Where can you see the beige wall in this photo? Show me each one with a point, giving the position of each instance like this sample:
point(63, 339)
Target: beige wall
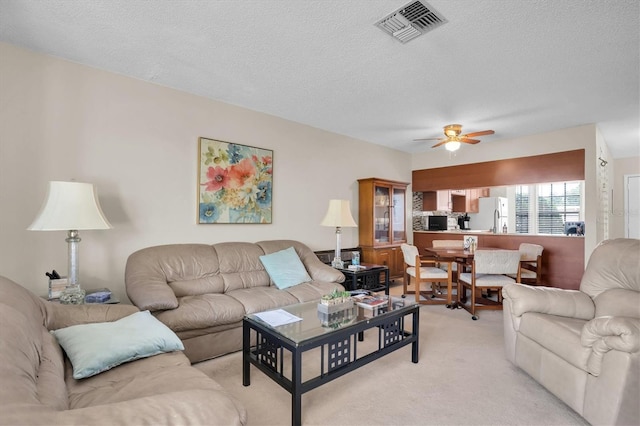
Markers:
point(621, 167)
point(138, 143)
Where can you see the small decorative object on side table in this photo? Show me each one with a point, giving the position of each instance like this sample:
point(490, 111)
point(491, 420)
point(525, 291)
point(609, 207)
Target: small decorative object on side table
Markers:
point(101, 295)
point(72, 295)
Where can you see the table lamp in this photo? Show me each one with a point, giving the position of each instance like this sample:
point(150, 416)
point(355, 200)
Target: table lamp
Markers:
point(338, 215)
point(70, 206)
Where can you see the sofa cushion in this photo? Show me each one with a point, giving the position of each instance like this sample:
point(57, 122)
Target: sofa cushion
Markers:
point(94, 348)
point(613, 264)
point(560, 335)
point(169, 372)
point(200, 312)
point(313, 291)
point(285, 268)
point(262, 298)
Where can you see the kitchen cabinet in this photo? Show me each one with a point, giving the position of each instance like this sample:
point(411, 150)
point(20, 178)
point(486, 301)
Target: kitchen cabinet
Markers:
point(454, 200)
point(382, 222)
point(473, 197)
point(459, 203)
point(436, 201)
point(472, 203)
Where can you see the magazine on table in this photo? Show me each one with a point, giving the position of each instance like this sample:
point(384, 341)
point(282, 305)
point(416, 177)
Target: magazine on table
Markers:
point(370, 301)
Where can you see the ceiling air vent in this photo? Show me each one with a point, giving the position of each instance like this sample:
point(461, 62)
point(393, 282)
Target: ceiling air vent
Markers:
point(411, 21)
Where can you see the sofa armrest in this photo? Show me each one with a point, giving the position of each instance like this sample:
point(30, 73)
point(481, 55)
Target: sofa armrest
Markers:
point(325, 273)
point(606, 333)
point(320, 271)
point(146, 285)
point(151, 295)
point(548, 300)
point(60, 316)
point(603, 334)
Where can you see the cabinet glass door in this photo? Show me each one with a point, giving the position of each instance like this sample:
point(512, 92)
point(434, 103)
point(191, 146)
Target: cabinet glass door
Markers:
point(399, 225)
point(381, 212)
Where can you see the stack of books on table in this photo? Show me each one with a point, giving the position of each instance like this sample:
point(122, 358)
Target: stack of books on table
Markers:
point(372, 304)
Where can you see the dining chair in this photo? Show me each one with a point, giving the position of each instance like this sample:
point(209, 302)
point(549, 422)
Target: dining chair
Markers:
point(453, 244)
point(530, 264)
point(489, 273)
point(424, 271)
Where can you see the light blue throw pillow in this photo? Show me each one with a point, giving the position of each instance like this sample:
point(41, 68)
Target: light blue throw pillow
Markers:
point(94, 348)
point(285, 268)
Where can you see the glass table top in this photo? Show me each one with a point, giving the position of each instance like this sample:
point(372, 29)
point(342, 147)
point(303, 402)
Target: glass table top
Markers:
point(316, 323)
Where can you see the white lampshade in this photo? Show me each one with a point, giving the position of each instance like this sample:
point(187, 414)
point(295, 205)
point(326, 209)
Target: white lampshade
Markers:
point(339, 214)
point(452, 146)
point(70, 205)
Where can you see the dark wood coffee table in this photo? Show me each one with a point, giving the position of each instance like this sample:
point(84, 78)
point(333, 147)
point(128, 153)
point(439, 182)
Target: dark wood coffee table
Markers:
point(338, 342)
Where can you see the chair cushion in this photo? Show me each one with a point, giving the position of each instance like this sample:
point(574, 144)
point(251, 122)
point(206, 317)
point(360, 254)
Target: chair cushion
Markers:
point(560, 335)
point(285, 268)
point(429, 272)
point(94, 348)
point(409, 253)
point(487, 280)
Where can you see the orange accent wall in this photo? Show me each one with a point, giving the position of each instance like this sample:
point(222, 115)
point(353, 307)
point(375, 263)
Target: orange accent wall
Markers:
point(562, 259)
point(560, 166)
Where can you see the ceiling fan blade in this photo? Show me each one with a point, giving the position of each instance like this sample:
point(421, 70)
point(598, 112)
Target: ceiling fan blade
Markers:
point(474, 134)
point(467, 140)
point(442, 142)
point(427, 139)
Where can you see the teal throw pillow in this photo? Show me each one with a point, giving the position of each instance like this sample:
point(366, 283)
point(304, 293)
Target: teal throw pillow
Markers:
point(285, 268)
point(94, 348)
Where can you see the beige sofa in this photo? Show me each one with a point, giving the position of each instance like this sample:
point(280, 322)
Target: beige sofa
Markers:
point(202, 292)
point(38, 387)
point(584, 346)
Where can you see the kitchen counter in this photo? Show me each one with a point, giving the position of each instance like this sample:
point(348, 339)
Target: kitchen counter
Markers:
point(562, 259)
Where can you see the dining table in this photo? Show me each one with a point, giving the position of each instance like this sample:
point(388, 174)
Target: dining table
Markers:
point(462, 257)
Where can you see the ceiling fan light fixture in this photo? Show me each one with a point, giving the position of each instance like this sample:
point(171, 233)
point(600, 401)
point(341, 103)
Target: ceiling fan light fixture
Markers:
point(452, 146)
point(452, 130)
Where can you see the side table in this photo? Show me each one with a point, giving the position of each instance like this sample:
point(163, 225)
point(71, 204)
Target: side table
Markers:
point(368, 278)
point(111, 301)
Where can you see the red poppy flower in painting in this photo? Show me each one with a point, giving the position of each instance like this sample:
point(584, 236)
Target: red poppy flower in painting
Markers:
point(218, 178)
point(241, 172)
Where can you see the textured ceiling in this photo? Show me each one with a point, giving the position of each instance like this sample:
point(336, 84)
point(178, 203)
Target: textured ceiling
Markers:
point(519, 67)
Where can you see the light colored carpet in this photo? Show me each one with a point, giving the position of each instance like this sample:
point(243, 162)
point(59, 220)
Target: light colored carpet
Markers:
point(462, 378)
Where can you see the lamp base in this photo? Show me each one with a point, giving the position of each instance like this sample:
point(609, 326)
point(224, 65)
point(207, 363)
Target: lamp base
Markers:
point(72, 295)
point(337, 263)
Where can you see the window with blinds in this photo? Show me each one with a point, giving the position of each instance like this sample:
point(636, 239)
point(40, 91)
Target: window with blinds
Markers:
point(544, 208)
point(522, 209)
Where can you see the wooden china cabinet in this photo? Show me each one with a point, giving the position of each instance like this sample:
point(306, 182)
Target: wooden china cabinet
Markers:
point(382, 225)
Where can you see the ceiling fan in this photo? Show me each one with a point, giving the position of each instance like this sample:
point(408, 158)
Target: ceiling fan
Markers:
point(453, 137)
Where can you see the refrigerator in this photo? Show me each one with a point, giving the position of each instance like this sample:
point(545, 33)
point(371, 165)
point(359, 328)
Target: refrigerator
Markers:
point(490, 209)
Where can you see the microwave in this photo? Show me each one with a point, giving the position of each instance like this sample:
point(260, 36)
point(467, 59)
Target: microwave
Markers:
point(437, 223)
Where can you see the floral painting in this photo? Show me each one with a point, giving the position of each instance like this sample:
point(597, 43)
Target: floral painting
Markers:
point(234, 183)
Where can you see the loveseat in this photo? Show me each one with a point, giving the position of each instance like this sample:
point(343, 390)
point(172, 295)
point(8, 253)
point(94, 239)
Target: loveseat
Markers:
point(202, 292)
point(38, 387)
point(584, 345)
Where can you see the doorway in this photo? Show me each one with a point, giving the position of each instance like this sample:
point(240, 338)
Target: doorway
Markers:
point(632, 206)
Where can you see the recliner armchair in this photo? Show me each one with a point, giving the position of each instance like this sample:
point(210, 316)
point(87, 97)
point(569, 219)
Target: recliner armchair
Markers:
point(583, 345)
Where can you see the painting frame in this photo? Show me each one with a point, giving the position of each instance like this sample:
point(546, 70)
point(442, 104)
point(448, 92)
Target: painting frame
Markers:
point(235, 183)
